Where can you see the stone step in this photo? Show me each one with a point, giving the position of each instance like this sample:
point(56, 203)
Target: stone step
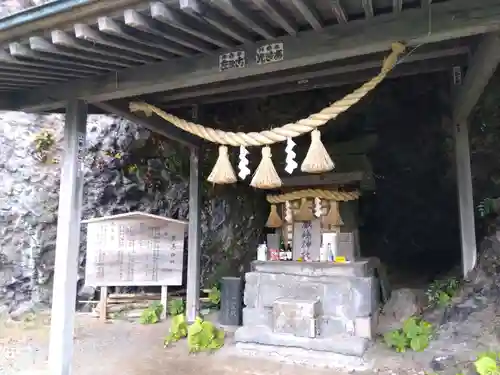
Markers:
point(341, 344)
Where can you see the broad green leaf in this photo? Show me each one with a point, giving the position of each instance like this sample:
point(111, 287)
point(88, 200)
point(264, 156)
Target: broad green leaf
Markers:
point(419, 343)
point(486, 366)
point(411, 328)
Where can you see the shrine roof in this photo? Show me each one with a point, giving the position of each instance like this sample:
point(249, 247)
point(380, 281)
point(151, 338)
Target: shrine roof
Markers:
point(133, 215)
point(174, 53)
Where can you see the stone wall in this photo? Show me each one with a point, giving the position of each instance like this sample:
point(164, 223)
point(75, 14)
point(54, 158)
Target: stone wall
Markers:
point(325, 307)
point(127, 169)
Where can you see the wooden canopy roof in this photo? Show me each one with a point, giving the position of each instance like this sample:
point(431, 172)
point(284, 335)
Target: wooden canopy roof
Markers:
point(169, 52)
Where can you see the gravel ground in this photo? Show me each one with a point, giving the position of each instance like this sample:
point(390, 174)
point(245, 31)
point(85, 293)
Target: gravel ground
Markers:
point(124, 348)
point(129, 348)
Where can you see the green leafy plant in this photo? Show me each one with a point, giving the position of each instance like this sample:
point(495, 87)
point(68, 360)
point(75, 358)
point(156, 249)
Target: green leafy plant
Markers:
point(44, 143)
point(152, 314)
point(203, 336)
point(214, 296)
point(486, 207)
point(487, 363)
point(440, 292)
point(176, 306)
point(178, 329)
point(415, 334)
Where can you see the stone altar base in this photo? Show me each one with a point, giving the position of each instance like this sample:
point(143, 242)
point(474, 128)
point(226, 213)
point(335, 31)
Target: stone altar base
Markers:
point(321, 307)
point(303, 357)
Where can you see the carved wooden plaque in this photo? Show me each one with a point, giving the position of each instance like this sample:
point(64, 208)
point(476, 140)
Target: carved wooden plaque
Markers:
point(134, 250)
point(306, 239)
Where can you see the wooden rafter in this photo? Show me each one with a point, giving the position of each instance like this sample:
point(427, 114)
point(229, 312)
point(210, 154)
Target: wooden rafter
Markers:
point(216, 19)
point(246, 16)
point(178, 20)
point(368, 8)
point(279, 14)
point(397, 6)
point(309, 12)
point(340, 13)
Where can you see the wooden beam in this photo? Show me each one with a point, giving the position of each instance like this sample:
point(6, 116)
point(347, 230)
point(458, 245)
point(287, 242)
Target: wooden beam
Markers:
point(309, 12)
point(302, 76)
point(332, 178)
point(483, 65)
point(153, 123)
point(198, 28)
point(422, 67)
point(339, 11)
point(368, 8)
point(165, 32)
point(248, 17)
point(451, 20)
point(225, 24)
point(279, 14)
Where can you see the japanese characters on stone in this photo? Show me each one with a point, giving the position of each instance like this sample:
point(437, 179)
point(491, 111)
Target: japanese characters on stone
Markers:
point(232, 60)
point(269, 53)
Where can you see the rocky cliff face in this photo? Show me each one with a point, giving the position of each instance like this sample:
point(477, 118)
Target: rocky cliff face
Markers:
point(127, 169)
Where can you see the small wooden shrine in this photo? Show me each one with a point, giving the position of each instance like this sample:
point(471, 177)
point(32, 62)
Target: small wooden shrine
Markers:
point(311, 212)
point(321, 302)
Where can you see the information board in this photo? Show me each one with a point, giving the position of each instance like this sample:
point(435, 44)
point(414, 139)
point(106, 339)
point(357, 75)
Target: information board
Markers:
point(134, 251)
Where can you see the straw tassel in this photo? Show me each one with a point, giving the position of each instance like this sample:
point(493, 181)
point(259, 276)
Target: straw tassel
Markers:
point(223, 172)
point(274, 219)
point(317, 159)
point(333, 217)
point(265, 176)
point(305, 212)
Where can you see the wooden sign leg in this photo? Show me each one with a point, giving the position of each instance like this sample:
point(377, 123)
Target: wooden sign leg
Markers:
point(164, 301)
point(104, 304)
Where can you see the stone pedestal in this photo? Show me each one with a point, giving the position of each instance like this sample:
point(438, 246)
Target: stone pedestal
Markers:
point(315, 306)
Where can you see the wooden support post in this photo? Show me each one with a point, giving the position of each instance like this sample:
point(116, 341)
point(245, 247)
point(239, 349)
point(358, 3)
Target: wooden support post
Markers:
point(465, 96)
point(103, 304)
point(164, 301)
point(193, 276)
point(465, 198)
point(68, 240)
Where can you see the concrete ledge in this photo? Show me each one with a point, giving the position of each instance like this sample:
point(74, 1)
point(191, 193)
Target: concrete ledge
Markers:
point(303, 357)
point(361, 268)
point(340, 344)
